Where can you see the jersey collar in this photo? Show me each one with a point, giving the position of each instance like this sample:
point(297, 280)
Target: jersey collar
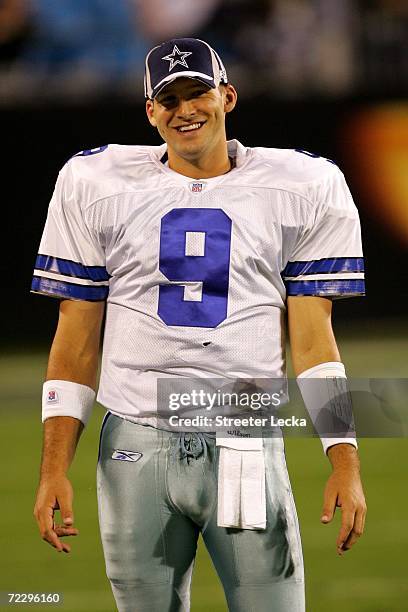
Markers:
point(235, 150)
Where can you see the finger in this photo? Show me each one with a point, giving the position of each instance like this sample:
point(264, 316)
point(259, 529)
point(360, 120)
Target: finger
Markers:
point(62, 547)
point(65, 504)
point(352, 539)
point(45, 521)
point(359, 521)
point(357, 530)
point(347, 524)
point(51, 537)
point(329, 506)
point(44, 516)
point(62, 531)
point(67, 515)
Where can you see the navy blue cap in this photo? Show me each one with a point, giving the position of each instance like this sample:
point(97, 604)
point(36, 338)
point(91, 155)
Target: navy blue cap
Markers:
point(182, 57)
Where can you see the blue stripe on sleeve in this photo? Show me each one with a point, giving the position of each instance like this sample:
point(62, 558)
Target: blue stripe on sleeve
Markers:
point(326, 287)
point(91, 151)
point(66, 290)
point(71, 268)
point(327, 265)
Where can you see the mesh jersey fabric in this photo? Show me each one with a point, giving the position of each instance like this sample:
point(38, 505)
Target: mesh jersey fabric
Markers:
point(282, 222)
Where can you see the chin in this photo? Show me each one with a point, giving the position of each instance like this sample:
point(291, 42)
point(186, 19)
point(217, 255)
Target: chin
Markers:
point(190, 150)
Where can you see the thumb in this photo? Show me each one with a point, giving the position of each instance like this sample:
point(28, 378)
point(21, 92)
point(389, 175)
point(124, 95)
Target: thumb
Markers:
point(66, 511)
point(326, 516)
point(329, 507)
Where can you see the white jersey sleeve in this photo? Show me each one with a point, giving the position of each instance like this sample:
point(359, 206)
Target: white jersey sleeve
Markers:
point(71, 262)
point(327, 258)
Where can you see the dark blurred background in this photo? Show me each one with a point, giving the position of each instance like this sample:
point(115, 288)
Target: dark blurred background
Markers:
point(328, 76)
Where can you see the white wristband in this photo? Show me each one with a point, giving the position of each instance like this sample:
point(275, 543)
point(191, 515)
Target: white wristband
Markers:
point(66, 398)
point(316, 397)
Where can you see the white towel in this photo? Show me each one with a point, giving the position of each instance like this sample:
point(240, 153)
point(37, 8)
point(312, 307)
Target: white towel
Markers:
point(241, 483)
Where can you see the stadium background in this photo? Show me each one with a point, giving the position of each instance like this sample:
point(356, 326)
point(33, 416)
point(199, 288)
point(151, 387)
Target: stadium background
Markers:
point(328, 76)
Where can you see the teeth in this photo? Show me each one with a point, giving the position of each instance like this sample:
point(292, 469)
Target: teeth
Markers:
point(188, 128)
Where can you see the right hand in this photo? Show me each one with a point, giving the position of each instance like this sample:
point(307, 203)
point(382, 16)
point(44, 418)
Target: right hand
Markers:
point(55, 493)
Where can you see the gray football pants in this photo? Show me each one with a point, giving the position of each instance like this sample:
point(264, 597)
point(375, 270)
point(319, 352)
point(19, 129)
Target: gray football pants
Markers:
point(152, 510)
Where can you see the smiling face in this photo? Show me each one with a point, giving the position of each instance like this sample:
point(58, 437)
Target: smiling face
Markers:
point(190, 117)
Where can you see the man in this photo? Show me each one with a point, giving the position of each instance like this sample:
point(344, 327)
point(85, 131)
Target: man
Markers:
point(197, 246)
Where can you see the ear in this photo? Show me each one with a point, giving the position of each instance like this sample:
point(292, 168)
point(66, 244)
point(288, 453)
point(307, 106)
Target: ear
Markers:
point(150, 112)
point(230, 97)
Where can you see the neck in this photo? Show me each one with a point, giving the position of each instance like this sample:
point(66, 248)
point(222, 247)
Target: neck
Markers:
point(207, 165)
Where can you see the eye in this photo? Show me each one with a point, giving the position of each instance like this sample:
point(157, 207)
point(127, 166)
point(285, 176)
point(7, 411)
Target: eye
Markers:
point(168, 101)
point(198, 92)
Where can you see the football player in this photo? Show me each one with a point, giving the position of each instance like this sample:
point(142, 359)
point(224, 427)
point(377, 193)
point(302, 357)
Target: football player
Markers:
point(199, 248)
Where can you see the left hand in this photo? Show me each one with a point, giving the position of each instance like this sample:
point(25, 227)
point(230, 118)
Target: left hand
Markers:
point(344, 490)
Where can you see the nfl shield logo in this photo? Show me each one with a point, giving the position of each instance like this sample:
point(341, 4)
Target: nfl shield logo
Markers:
point(52, 396)
point(196, 187)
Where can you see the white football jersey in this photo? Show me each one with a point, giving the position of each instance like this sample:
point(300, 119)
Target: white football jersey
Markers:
point(196, 272)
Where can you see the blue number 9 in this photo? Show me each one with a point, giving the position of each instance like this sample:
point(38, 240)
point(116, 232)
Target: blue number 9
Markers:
point(183, 265)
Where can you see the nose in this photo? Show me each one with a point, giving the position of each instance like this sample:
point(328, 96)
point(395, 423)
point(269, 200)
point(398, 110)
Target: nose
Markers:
point(185, 109)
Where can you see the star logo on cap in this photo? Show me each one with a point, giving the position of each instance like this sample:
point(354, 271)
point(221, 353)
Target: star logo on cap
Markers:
point(177, 57)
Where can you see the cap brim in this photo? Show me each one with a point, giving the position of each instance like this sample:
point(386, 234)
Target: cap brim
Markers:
point(193, 76)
